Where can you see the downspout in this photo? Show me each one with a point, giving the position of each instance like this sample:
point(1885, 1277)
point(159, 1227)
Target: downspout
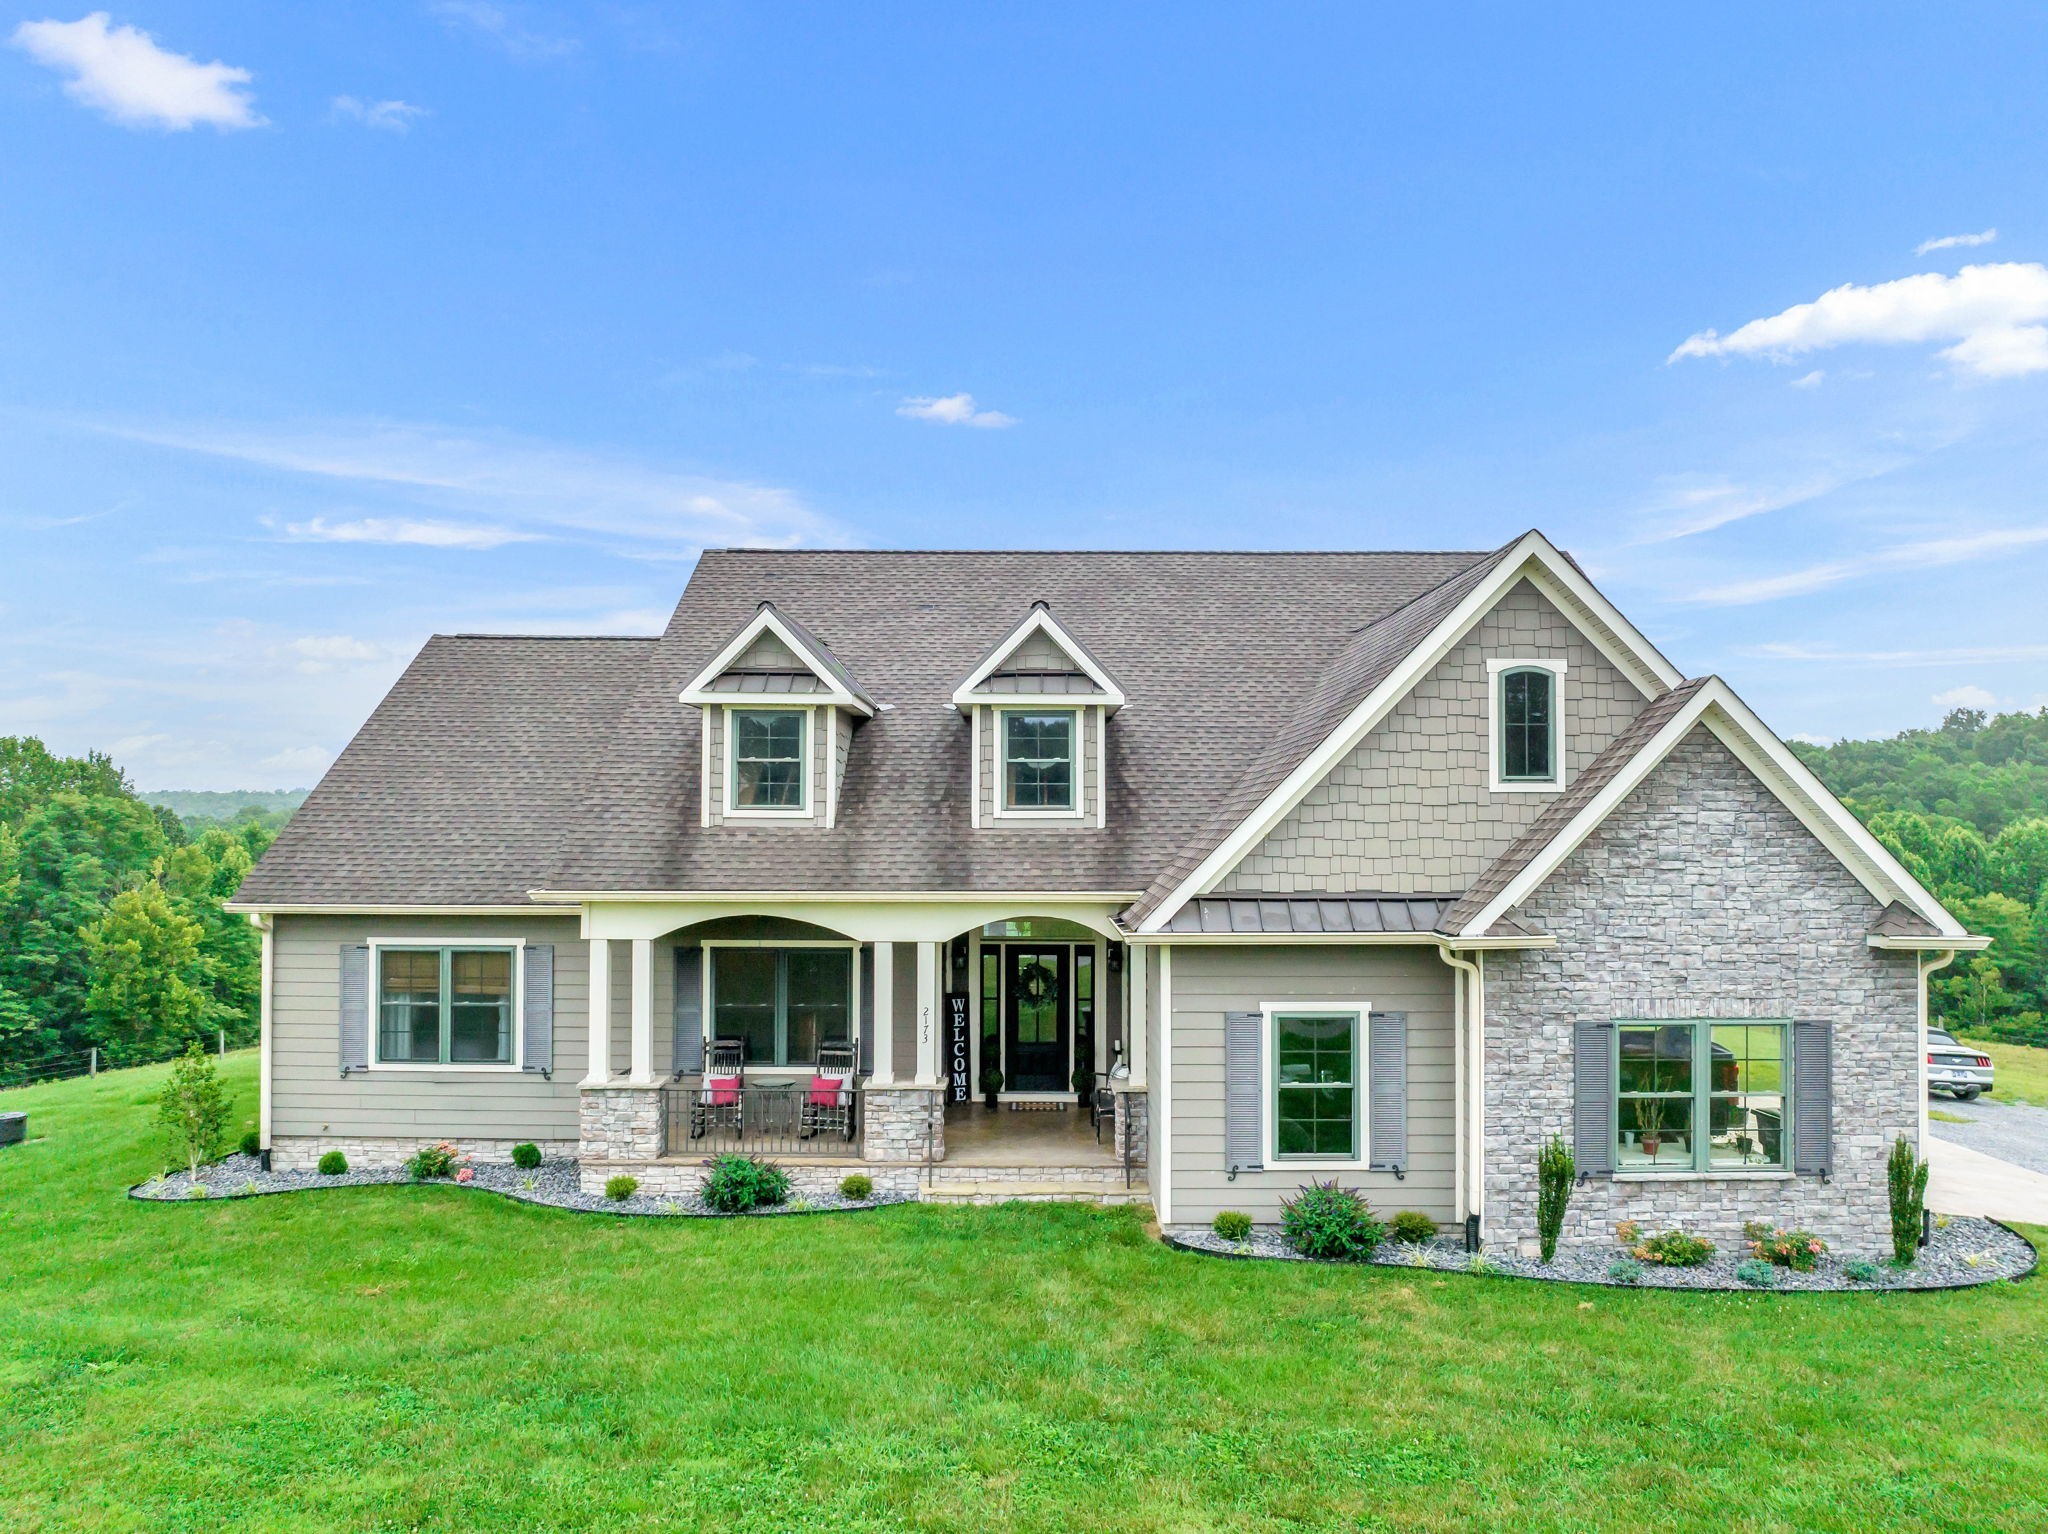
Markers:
point(1471, 1055)
point(266, 975)
point(1927, 965)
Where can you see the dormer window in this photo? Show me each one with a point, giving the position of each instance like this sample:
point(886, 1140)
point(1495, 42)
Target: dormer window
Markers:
point(1527, 743)
point(768, 759)
point(1038, 760)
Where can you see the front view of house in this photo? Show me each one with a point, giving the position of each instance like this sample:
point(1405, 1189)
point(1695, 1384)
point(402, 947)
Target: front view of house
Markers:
point(1183, 877)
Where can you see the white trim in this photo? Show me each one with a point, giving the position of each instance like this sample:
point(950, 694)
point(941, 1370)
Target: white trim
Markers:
point(884, 1073)
point(802, 811)
point(1137, 1012)
point(265, 908)
point(998, 809)
point(928, 1000)
point(754, 897)
point(1949, 945)
point(1337, 939)
point(974, 777)
point(1101, 718)
point(1162, 1099)
point(698, 691)
point(1039, 619)
point(704, 718)
point(1732, 723)
point(1361, 1046)
point(597, 1014)
point(1531, 555)
point(640, 1013)
point(1496, 667)
point(516, 1021)
point(830, 758)
point(266, 1024)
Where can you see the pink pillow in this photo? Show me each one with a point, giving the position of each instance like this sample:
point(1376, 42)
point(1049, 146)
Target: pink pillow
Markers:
point(825, 1091)
point(725, 1090)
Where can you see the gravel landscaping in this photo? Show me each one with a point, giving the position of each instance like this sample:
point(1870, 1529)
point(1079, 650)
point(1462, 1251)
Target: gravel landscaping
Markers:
point(553, 1183)
point(1964, 1252)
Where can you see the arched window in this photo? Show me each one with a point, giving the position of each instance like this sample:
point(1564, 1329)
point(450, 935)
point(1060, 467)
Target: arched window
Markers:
point(1528, 725)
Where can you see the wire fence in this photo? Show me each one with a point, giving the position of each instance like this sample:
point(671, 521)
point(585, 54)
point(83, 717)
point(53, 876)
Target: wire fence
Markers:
point(67, 1064)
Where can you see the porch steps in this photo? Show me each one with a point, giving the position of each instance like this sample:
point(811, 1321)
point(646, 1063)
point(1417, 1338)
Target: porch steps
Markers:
point(1041, 1185)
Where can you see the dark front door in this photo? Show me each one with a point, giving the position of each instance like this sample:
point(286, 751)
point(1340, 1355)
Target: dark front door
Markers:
point(1035, 982)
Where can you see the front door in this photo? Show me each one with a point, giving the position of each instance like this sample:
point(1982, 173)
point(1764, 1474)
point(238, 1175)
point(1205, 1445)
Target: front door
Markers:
point(1035, 982)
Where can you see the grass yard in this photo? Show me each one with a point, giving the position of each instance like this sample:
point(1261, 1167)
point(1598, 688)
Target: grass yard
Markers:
point(2022, 1071)
point(433, 1359)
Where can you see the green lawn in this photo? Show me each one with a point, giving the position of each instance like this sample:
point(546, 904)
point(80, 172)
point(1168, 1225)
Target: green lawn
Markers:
point(432, 1359)
point(2021, 1071)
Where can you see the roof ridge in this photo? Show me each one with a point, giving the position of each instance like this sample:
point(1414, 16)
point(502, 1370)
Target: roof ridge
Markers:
point(564, 638)
point(1127, 553)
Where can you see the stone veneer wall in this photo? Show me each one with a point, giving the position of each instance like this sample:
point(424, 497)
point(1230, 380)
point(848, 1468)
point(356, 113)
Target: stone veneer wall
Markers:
point(302, 1153)
point(903, 1124)
point(1701, 897)
point(1133, 1120)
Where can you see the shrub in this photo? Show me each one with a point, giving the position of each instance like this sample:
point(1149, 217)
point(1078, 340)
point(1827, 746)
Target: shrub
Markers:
point(1330, 1222)
point(1674, 1249)
point(432, 1161)
point(1906, 1174)
point(1413, 1225)
point(1554, 1173)
point(1861, 1271)
point(1799, 1250)
point(619, 1189)
point(333, 1164)
point(1757, 1273)
point(252, 1144)
point(526, 1156)
point(858, 1186)
point(1629, 1232)
point(1625, 1270)
point(192, 1109)
point(1232, 1224)
point(736, 1184)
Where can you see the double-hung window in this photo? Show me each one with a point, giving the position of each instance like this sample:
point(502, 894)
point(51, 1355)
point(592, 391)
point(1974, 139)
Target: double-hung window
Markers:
point(1315, 1080)
point(445, 1006)
point(1701, 1096)
point(1526, 744)
point(782, 1003)
point(1038, 759)
point(768, 752)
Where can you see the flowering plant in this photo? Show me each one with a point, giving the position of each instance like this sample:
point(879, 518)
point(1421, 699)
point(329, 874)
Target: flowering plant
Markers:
point(1799, 1250)
point(463, 1174)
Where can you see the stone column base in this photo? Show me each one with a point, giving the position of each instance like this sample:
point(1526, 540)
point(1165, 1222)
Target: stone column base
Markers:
point(1133, 1124)
point(903, 1123)
point(618, 1122)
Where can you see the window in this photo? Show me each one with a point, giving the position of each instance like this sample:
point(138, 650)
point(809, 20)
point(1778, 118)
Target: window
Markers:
point(1527, 729)
point(768, 759)
point(1315, 1085)
point(782, 1002)
point(444, 1006)
point(1038, 760)
point(1701, 1096)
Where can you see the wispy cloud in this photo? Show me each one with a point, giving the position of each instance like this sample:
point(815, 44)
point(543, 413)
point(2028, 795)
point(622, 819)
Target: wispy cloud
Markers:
point(504, 26)
point(433, 535)
point(1905, 556)
point(389, 116)
point(952, 410)
point(122, 73)
point(1967, 655)
point(1953, 241)
point(1811, 380)
point(1991, 314)
point(1693, 504)
point(1965, 697)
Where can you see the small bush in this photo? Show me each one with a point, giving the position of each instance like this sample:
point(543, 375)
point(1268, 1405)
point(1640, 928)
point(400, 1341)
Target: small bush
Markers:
point(1674, 1249)
point(252, 1144)
point(1413, 1225)
point(526, 1156)
point(1330, 1222)
point(1232, 1224)
point(619, 1189)
point(1862, 1271)
point(1906, 1176)
point(1629, 1232)
point(432, 1161)
point(333, 1164)
point(858, 1186)
point(192, 1109)
point(1555, 1171)
point(1625, 1270)
point(1799, 1250)
point(736, 1184)
point(1757, 1273)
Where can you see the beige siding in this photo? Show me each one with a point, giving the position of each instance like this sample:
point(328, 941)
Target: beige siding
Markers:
point(310, 1097)
point(1210, 981)
point(1409, 811)
point(768, 653)
point(1086, 740)
point(1037, 652)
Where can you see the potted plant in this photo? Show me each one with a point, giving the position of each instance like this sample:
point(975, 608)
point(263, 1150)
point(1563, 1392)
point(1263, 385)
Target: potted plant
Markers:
point(1084, 1083)
point(1646, 1124)
point(991, 1082)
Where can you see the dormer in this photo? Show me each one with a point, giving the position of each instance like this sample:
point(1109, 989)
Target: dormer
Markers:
point(1039, 706)
point(778, 712)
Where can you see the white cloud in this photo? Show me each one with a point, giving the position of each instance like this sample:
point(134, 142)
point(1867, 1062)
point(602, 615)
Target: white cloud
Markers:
point(1964, 697)
point(391, 116)
point(1692, 504)
point(1905, 556)
point(1952, 241)
point(952, 410)
point(1967, 655)
point(305, 759)
point(121, 72)
point(435, 535)
point(1812, 740)
point(501, 24)
point(319, 654)
point(1810, 380)
point(1991, 314)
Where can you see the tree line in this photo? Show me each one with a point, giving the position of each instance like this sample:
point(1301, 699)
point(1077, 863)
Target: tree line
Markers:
point(112, 934)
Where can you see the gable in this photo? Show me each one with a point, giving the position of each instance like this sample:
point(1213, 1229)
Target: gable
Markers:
point(767, 653)
point(1036, 651)
point(1408, 810)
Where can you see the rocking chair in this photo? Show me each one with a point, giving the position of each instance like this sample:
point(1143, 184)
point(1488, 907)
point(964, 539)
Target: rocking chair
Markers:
point(722, 1101)
point(828, 1101)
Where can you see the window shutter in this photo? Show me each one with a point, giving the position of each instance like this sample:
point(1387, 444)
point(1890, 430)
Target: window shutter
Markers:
point(1593, 1098)
point(689, 1010)
point(1387, 1092)
point(1813, 1104)
point(355, 1007)
point(537, 1004)
point(865, 1028)
point(1243, 1032)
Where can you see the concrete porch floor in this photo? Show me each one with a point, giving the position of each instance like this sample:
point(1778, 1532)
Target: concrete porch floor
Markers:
point(975, 1136)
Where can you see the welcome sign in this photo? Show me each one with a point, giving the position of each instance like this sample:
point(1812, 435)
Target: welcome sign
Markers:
point(960, 1088)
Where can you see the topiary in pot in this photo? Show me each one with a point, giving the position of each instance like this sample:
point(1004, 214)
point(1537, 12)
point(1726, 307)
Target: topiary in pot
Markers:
point(1332, 1223)
point(991, 1082)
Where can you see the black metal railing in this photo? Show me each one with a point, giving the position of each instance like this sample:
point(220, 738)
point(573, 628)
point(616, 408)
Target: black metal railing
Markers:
point(779, 1119)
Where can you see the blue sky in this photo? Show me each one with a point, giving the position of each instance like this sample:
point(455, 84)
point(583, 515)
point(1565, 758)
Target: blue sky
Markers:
point(330, 326)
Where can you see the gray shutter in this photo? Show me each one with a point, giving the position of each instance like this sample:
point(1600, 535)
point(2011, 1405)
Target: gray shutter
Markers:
point(1813, 1098)
point(355, 1007)
point(1242, 1035)
point(865, 1064)
point(1593, 1098)
point(689, 1010)
point(1387, 1092)
point(537, 1004)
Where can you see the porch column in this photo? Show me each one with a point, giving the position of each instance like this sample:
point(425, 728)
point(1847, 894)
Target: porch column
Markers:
point(600, 1013)
point(885, 1015)
point(643, 1012)
point(928, 1014)
point(1136, 962)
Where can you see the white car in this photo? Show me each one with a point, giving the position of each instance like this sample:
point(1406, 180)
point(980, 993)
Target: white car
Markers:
point(1955, 1068)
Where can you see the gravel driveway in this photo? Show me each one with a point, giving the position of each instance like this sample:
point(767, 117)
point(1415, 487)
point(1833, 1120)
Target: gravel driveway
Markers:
point(2015, 1132)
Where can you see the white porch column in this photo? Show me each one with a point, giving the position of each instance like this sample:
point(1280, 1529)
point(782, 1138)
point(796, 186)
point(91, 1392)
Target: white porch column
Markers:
point(885, 1015)
point(1137, 961)
point(928, 1014)
point(643, 1011)
point(600, 1013)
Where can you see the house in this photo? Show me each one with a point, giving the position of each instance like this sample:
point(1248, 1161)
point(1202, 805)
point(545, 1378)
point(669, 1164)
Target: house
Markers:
point(1383, 867)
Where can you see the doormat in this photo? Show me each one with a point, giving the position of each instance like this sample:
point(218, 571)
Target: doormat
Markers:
point(1040, 1107)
